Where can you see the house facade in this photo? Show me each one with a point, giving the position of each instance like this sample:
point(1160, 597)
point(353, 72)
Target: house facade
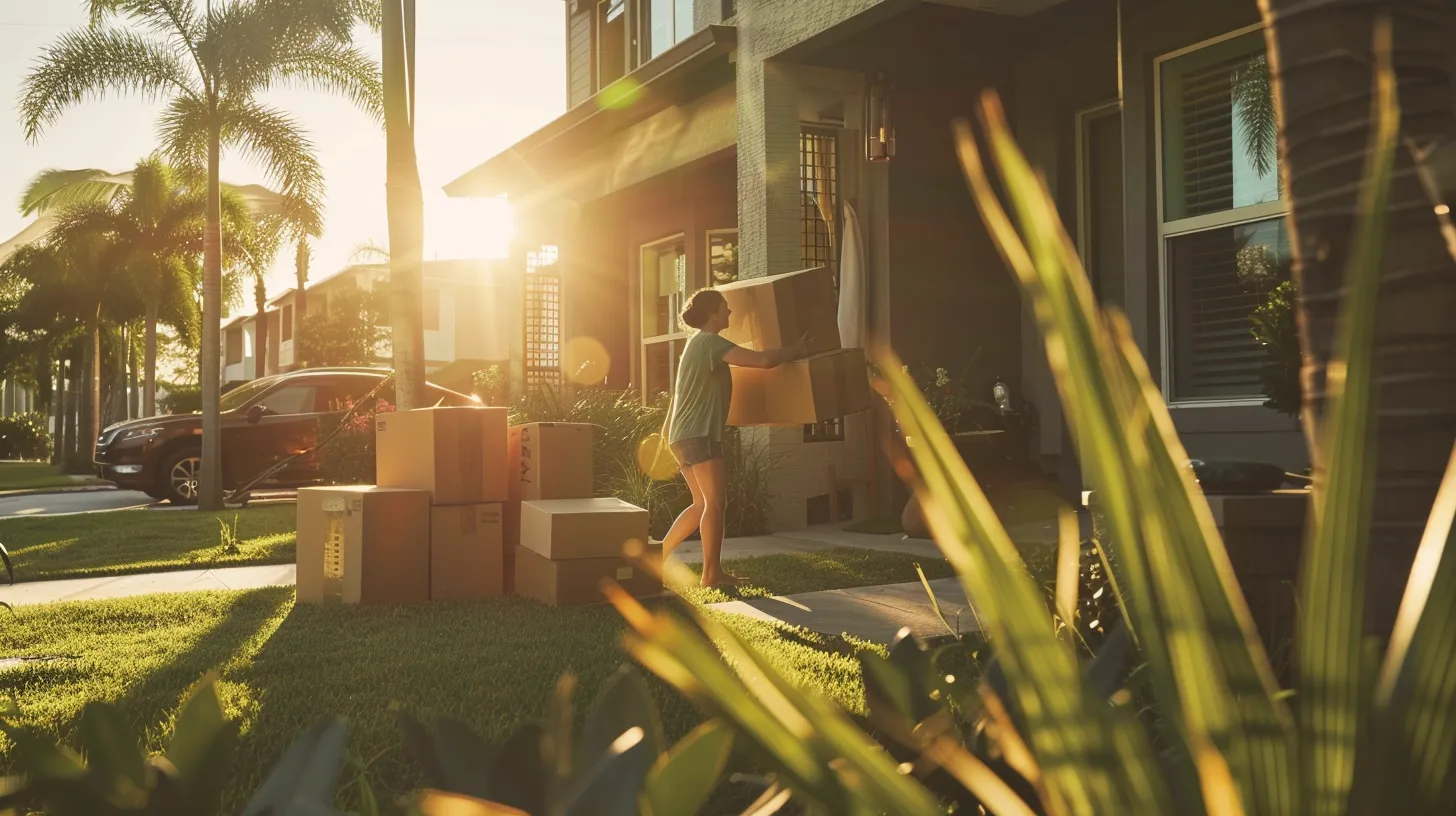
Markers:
point(472, 319)
point(710, 140)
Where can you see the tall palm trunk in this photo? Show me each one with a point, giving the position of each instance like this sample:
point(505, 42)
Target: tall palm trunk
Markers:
point(406, 204)
point(149, 361)
point(58, 405)
point(90, 422)
point(260, 345)
point(133, 391)
point(1321, 58)
point(209, 490)
point(300, 294)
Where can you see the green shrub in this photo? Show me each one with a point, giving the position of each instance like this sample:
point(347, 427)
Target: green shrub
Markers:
point(25, 436)
point(180, 398)
point(1275, 328)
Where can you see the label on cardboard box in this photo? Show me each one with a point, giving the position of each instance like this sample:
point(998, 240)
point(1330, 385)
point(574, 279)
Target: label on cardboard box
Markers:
point(624, 573)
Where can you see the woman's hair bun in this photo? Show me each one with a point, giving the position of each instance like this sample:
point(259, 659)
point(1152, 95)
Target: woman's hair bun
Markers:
point(701, 306)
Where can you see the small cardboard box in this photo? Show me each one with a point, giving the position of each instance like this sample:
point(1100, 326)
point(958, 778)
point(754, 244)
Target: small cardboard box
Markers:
point(466, 551)
point(578, 582)
point(550, 460)
point(457, 454)
point(801, 392)
point(775, 311)
point(563, 529)
point(363, 544)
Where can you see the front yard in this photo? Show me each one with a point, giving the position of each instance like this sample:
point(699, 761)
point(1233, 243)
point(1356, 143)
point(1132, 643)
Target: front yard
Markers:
point(34, 476)
point(132, 541)
point(490, 664)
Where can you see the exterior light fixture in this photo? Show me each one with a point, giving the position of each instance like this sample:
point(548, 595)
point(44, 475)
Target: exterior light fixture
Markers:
point(879, 129)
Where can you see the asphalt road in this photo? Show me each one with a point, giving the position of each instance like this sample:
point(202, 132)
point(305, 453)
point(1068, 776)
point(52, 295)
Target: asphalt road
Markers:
point(81, 501)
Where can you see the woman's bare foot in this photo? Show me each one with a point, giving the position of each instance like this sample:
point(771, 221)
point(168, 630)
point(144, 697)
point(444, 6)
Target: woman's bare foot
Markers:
point(723, 580)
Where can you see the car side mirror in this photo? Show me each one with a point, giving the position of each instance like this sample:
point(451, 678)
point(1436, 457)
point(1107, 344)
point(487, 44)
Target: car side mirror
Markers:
point(256, 413)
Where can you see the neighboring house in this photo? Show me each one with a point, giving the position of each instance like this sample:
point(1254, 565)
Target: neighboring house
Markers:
point(743, 124)
point(16, 398)
point(472, 319)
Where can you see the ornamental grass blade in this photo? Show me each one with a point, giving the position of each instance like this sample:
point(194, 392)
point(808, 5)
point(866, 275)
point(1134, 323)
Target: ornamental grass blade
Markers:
point(1410, 758)
point(1211, 675)
point(821, 753)
point(1337, 546)
point(1091, 756)
point(686, 775)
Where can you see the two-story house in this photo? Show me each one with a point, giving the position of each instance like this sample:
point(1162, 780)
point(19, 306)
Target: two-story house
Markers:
point(708, 139)
point(472, 319)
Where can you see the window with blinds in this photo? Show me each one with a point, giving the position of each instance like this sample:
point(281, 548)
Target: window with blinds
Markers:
point(1224, 242)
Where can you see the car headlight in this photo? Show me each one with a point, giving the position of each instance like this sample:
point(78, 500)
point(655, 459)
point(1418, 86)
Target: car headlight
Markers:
point(141, 433)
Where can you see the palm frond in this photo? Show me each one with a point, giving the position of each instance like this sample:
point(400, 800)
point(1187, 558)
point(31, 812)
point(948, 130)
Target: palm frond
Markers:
point(94, 62)
point(370, 252)
point(332, 68)
point(1253, 93)
point(182, 133)
point(54, 189)
point(277, 142)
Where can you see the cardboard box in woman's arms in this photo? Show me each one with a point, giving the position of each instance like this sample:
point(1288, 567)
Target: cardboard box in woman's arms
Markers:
point(802, 392)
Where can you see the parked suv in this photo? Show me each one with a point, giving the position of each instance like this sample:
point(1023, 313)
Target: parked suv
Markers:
point(263, 421)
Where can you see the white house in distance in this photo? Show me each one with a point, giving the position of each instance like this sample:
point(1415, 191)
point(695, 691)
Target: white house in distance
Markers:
point(473, 318)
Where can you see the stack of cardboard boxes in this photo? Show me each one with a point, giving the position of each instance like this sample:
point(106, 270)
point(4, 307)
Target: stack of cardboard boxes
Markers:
point(433, 528)
point(560, 541)
point(774, 312)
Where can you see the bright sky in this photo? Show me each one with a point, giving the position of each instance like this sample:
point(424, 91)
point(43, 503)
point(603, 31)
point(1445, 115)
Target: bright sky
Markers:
point(490, 72)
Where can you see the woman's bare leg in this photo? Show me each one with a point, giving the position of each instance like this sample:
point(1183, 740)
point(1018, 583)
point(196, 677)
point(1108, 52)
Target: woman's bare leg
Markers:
point(688, 520)
point(712, 483)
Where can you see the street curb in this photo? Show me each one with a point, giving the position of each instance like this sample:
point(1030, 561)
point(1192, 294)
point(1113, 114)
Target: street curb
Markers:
point(51, 491)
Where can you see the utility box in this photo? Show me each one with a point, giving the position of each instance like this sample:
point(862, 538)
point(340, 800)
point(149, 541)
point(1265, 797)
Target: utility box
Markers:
point(363, 544)
point(457, 454)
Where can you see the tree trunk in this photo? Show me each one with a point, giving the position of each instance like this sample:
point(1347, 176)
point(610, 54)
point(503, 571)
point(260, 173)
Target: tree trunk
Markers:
point(149, 362)
point(260, 332)
point(406, 205)
point(133, 391)
point(1321, 60)
point(209, 489)
point(90, 421)
point(300, 295)
point(58, 415)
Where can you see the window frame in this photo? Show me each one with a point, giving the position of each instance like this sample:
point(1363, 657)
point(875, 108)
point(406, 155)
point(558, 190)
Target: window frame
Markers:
point(691, 284)
point(1168, 230)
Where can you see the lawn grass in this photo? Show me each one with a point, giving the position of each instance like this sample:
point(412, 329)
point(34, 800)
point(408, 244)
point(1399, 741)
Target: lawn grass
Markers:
point(131, 541)
point(490, 664)
point(33, 476)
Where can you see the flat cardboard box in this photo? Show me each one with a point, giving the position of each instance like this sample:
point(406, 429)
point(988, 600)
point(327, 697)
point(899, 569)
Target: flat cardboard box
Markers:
point(457, 454)
point(466, 551)
point(801, 392)
point(550, 460)
point(578, 582)
point(363, 544)
point(776, 310)
point(564, 529)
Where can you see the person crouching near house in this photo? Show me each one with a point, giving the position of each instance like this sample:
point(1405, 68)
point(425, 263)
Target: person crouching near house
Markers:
point(698, 419)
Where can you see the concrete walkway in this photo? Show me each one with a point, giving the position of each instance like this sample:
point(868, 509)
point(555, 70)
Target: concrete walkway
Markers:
point(150, 583)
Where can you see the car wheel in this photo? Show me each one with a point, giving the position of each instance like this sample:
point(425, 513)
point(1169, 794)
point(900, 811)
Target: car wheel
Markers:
point(179, 475)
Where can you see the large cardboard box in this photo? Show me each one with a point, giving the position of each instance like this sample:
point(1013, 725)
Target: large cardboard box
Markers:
point(577, 582)
point(550, 460)
point(467, 557)
point(457, 454)
point(775, 311)
point(801, 392)
point(563, 529)
point(363, 544)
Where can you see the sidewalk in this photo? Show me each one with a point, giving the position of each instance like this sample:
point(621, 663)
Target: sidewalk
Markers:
point(873, 613)
point(148, 583)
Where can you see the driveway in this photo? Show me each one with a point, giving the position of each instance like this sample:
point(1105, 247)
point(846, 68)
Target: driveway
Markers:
point(79, 501)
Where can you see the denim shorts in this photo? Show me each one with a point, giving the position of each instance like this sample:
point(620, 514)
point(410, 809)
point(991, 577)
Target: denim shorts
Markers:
point(696, 450)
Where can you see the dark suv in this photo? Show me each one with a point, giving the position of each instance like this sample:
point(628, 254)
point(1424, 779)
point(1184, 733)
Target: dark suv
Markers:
point(263, 421)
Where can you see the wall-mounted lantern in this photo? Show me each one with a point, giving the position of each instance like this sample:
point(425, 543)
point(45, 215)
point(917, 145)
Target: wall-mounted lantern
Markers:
point(879, 129)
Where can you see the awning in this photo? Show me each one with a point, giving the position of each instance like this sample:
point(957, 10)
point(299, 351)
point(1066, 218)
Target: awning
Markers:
point(557, 156)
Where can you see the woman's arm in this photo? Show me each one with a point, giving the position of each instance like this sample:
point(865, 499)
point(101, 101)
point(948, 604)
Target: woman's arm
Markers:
point(773, 358)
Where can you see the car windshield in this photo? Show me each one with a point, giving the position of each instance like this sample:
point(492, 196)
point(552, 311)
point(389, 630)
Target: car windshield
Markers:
point(238, 397)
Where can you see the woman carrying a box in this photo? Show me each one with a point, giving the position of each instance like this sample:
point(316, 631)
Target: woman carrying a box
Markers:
point(698, 418)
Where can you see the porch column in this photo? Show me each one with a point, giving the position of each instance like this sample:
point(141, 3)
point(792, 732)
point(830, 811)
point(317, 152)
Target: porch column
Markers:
point(768, 169)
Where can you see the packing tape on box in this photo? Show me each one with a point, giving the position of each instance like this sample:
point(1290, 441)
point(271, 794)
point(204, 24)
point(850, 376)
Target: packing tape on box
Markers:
point(471, 446)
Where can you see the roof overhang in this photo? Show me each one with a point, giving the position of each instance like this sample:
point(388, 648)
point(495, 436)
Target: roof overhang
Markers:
point(551, 152)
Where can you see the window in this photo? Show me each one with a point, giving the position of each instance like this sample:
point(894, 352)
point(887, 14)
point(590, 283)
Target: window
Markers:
point(543, 330)
point(669, 22)
point(611, 45)
point(287, 323)
point(234, 346)
point(1100, 209)
point(290, 399)
point(664, 288)
point(819, 229)
point(1224, 244)
point(430, 303)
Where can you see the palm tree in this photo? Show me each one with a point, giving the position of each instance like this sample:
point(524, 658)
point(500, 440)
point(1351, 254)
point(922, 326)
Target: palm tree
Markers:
point(1320, 57)
point(211, 64)
point(406, 203)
